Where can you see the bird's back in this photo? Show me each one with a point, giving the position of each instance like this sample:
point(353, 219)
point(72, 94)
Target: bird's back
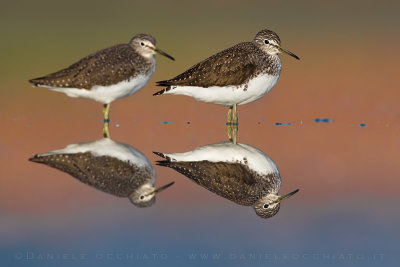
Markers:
point(104, 68)
point(233, 181)
point(105, 173)
point(230, 67)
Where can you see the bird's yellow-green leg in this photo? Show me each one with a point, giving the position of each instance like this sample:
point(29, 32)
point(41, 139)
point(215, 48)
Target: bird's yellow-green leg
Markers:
point(234, 133)
point(106, 110)
point(106, 133)
point(229, 116)
point(229, 131)
point(235, 119)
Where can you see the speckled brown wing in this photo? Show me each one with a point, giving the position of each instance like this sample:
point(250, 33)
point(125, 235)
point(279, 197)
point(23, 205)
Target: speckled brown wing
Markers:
point(233, 181)
point(107, 174)
point(105, 67)
point(233, 66)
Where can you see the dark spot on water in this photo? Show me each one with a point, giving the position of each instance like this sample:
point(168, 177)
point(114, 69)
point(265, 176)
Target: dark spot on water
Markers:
point(323, 120)
point(188, 122)
point(363, 124)
point(166, 122)
point(283, 123)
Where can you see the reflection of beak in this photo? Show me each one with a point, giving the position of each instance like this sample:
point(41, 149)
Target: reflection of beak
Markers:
point(280, 199)
point(158, 190)
point(162, 53)
point(287, 52)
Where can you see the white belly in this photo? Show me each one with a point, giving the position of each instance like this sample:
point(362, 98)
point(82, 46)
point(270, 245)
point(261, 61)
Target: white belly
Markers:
point(227, 96)
point(255, 159)
point(107, 94)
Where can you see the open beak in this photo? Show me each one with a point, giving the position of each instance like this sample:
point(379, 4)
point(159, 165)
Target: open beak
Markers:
point(282, 50)
point(158, 190)
point(163, 53)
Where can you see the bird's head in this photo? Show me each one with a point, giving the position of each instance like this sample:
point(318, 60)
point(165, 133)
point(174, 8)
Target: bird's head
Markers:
point(145, 45)
point(145, 195)
point(269, 205)
point(269, 42)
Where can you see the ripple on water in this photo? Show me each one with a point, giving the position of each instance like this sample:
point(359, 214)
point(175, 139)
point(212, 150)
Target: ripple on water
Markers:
point(283, 123)
point(325, 120)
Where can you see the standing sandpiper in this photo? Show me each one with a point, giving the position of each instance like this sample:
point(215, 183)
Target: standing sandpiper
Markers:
point(238, 172)
point(235, 76)
point(108, 166)
point(111, 73)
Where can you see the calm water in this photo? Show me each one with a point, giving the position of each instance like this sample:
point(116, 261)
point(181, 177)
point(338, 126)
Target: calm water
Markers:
point(341, 215)
point(331, 125)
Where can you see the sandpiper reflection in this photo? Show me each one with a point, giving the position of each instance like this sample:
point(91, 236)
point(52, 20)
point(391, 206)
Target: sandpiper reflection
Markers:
point(109, 166)
point(238, 172)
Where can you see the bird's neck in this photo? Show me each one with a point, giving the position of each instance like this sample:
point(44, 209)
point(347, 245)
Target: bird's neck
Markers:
point(152, 63)
point(271, 64)
point(275, 58)
point(149, 64)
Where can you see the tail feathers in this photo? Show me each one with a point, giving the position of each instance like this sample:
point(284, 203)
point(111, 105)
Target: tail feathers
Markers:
point(50, 81)
point(163, 156)
point(164, 163)
point(44, 81)
point(37, 158)
point(162, 91)
point(159, 154)
point(49, 159)
point(36, 81)
point(163, 83)
point(167, 85)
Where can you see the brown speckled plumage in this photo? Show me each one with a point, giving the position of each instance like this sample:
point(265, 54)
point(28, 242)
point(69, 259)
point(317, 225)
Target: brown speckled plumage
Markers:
point(108, 174)
point(233, 181)
point(105, 67)
point(234, 66)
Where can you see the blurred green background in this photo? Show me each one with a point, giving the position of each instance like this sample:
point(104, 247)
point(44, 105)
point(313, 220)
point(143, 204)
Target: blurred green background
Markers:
point(40, 36)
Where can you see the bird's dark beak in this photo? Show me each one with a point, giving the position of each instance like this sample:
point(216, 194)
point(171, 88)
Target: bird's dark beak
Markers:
point(282, 50)
point(163, 53)
point(282, 198)
point(158, 190)
point(288, 195)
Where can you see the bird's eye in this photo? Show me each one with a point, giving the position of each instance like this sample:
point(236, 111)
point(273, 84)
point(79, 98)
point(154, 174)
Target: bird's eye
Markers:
point(141, 197)
point(141, 43)
point(265, 206)
point(266, 41)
